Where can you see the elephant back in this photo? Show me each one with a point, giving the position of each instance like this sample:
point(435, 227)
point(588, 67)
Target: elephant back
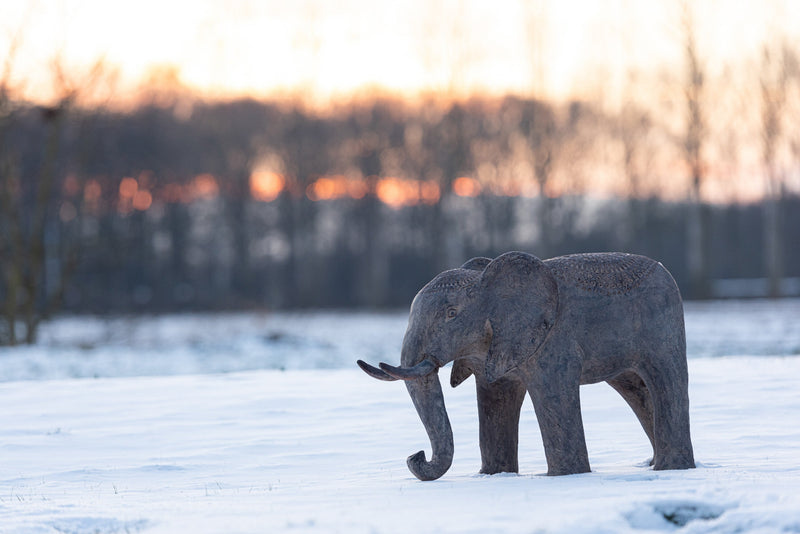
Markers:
point(607, 273)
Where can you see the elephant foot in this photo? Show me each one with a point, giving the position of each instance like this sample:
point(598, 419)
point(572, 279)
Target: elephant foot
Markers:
point(677, 460)
point(576, 469)
point(499, 468)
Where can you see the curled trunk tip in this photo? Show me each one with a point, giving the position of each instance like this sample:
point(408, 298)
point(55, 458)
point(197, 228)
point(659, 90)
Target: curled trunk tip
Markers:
point(427, 395)
point(425, 470)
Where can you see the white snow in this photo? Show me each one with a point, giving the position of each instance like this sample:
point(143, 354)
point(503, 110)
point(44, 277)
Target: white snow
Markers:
point(195, 428)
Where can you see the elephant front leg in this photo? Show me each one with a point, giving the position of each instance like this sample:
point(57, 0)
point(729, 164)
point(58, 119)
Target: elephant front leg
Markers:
point(499, 406)
point(556, 399)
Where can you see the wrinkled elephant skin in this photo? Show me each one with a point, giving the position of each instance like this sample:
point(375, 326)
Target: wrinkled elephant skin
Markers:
point(522, 325)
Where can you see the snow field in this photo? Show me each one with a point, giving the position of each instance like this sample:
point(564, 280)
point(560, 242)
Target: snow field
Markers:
point(91, 347)
point(324, 451)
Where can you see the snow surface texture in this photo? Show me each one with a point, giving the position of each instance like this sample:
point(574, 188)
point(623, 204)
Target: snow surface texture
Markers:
point(167, 443)
point(88, 347)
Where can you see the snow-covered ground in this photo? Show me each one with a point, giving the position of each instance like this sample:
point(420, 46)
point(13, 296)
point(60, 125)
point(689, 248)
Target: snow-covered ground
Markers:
point(89, 347)
point(262, 423)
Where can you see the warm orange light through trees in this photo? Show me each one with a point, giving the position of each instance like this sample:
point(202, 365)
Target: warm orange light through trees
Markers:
point(128, 187)
point(466, 187)
point(394, 192)
point(131, 195)
point(266, 186)
point(429, 192)
point(204, 186)
point(397, 193)
point(142, 200)
point(330, 187)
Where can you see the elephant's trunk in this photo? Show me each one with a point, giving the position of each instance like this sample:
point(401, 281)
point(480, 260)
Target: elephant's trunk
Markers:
point(426, 393)
point(420, 373)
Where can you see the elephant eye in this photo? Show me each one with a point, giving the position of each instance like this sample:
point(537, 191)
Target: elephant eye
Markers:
point(451, 313)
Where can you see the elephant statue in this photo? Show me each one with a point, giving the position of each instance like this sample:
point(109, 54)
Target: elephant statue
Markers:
point(520, 324)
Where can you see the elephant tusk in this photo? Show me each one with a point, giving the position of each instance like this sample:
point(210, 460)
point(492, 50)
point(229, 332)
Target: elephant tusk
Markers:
point(423, 368)
point(374, 372)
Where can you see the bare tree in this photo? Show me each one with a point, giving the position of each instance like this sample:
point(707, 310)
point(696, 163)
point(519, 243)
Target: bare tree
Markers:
point(540, 124)
point(449, 60)
point(304, 146)
point(777, 66)
point(542, 132)
point(23, 228)
point(10, 232)
point(634, 130)
point(633, 127)
point(29, 291)
point(698, 223)
point(453, 136)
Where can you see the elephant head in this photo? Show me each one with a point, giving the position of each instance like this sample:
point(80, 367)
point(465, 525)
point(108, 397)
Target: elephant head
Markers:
point(486, 316)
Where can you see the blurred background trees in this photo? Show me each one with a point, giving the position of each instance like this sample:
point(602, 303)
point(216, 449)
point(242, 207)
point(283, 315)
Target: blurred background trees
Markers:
point(244, 204)
point(187, 203)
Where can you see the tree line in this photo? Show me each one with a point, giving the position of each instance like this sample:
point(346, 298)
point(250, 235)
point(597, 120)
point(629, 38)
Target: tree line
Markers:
point(182, 204)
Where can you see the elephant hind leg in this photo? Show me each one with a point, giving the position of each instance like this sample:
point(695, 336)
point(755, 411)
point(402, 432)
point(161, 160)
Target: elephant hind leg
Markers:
point(499, 406)
point(633, 389)
point(668, 387)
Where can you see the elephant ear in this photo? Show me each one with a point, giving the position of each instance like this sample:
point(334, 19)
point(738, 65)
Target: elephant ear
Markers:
point(477, 264)
point(521, 299)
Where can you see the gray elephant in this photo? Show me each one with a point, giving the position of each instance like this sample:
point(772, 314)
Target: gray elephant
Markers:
point(519, 324)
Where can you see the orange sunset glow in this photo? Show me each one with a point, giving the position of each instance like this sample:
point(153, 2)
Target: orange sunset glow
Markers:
point(325, 50)
point(466, 187)
point(398, 193)
point(332, 187)
point(273, 154)
point(266, 186)
point(610, 54)
point(133, 195)
point(394, 192)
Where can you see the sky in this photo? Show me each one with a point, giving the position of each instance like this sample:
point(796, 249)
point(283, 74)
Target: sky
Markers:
point(324, 50)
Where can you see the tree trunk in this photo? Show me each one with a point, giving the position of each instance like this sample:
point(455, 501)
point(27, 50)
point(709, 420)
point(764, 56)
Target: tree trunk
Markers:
point(773, 253)
point(697, 247)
